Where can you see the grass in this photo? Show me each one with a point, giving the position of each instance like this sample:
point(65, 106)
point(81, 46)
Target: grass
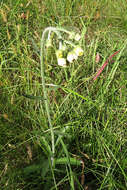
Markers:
point(89, 117)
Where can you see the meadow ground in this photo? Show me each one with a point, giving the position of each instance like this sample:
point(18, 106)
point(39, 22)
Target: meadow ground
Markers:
point(89, 117)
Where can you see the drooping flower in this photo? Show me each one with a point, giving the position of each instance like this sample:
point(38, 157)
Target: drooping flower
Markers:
point(78, 51)
point(71, 56)
point(59, 53)
point(61, 62)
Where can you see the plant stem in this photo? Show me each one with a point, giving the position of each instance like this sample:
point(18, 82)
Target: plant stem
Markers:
point(45, 92)
point(57, 32)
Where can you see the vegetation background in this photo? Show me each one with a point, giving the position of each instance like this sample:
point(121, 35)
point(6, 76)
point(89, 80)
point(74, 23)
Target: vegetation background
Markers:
point(89, 117)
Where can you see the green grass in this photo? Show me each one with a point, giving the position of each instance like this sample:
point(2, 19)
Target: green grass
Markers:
point(89, 117)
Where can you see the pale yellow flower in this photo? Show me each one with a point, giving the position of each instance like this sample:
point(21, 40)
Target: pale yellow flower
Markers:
point(78, 51)
point(71, 56)
point(59, 54)
point(61, 62)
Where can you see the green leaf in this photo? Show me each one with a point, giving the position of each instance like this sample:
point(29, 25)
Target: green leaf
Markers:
point(45, 146)
point(65, 160)
point(33, 97)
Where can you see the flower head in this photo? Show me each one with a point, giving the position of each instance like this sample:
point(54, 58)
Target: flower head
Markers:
point(59, 53)
point(78, 51)
point(61, 62)
point(71, 56)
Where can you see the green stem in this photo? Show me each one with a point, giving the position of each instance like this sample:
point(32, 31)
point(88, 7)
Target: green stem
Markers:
point(45, 92)
point(57, 31)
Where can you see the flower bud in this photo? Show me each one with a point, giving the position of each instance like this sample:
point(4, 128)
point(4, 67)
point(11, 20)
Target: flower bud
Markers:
point(72, 35)
point(77, 37)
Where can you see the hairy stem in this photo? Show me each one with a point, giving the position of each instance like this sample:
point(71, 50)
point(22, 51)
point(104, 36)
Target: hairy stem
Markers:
point(42, 51)
point(45, 91)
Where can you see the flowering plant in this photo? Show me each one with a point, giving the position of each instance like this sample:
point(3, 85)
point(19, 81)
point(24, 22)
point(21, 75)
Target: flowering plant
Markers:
point(69, 49)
